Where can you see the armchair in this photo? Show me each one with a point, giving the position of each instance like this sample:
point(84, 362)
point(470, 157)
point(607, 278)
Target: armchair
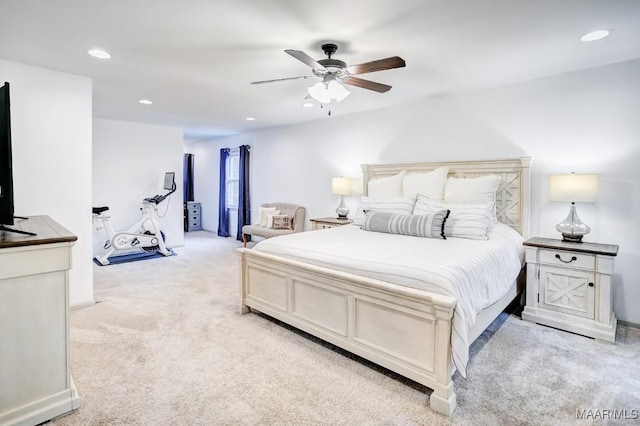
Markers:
point(292, 210)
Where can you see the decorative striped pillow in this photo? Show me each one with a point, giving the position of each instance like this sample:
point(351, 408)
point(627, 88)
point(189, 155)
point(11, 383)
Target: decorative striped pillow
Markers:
point(465, 220)
point(391, 205)
point(423, 225)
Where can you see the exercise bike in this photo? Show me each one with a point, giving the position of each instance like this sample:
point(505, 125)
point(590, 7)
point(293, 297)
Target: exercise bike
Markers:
point(145, 234)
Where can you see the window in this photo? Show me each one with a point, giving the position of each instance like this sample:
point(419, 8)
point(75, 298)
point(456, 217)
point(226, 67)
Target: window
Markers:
point(233, 179)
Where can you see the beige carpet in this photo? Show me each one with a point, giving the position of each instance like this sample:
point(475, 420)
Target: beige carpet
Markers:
point(165, 346)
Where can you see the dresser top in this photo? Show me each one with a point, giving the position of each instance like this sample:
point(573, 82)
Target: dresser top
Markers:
point(594, 248)
point(47, 231)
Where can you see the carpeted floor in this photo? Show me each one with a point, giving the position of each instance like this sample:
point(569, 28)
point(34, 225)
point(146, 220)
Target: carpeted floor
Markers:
point(165, 346)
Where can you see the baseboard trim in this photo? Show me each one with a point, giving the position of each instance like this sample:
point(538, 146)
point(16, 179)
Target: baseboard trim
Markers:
point(82, 305)
point(628, 324)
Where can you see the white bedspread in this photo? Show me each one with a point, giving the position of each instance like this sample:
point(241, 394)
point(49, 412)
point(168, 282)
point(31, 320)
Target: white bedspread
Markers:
point(476, 273)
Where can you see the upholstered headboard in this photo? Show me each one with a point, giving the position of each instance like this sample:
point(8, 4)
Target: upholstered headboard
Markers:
point(513, 194)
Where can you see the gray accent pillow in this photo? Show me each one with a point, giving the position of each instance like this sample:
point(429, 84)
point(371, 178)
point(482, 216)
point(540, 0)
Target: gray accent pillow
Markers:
point(429, 225)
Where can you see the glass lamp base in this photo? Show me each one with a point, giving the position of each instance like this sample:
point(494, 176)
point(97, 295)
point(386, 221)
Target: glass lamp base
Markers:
point(572, 228)
point(342, 210)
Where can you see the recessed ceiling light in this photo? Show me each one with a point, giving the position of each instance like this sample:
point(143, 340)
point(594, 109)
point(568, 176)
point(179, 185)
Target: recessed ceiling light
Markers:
point(98, 53)
point(595, 35)
point(145, 101)
point(307, 105)
point(250, 119)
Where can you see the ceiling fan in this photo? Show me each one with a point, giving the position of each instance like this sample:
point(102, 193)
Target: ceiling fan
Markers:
point(334, 71)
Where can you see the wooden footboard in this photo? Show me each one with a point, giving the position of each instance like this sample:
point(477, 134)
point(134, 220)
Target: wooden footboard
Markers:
point(403, 329)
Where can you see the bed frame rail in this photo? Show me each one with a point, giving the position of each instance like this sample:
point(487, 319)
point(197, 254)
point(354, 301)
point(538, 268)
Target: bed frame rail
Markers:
point(403, 329)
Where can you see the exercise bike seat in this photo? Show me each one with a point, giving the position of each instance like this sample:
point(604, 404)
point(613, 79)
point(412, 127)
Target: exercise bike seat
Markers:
point(98, 210)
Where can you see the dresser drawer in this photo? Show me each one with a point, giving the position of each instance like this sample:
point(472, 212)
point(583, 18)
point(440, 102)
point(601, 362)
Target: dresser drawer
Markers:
point(568, 259)
point(193, 208)
point(192, 217)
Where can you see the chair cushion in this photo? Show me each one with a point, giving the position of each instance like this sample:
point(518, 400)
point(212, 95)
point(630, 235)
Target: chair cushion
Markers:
point(261, 231)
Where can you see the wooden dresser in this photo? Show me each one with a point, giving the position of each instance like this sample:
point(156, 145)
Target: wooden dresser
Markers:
point(35, 378)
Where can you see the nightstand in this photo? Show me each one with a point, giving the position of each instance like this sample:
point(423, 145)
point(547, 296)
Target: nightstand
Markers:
point(569, 286)
point(328, 222)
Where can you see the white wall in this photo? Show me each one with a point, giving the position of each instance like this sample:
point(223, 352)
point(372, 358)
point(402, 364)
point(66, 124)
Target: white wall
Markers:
point(51, 132)
point(129, 163)
point(583, 121)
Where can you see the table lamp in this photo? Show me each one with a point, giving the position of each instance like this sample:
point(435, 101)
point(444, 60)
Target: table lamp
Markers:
point(575, 188)
point(341, 186)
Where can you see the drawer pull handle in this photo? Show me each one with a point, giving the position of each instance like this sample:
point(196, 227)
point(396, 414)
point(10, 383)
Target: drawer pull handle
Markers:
point(566, 261)
point(590, 284)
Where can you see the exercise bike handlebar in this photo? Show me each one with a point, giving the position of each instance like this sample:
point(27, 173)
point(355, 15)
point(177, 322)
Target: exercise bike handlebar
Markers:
point(157, 199)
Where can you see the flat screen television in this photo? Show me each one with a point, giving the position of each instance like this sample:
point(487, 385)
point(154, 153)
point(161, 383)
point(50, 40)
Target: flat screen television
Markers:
point(6, 171)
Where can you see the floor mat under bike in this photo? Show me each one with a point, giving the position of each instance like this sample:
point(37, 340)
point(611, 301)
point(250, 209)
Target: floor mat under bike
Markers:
point(132, 257)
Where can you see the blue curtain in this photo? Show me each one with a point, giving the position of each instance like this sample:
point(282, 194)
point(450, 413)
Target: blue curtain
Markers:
point(223, 212)
point(187, 177)
point(244, 207)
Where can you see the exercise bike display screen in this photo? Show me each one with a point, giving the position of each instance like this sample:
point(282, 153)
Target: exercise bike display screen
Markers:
point(169, 181)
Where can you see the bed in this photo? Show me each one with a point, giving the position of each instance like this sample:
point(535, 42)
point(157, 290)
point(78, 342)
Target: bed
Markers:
point(403, 324)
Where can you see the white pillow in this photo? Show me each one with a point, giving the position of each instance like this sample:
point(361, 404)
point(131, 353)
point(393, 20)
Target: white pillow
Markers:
point(391, 205)
point(270, 216)
point(472, 190)
point(263, 212)
point(430, 184)
point(465, 220)
point(386, 187)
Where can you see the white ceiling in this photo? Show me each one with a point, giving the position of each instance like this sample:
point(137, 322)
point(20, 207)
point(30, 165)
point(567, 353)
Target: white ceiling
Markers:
point(195, 58)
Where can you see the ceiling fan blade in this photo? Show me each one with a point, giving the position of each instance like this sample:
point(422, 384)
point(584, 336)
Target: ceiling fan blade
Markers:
point(303, 57)
point(379, 65)
point(282, 79)
point(366, 84)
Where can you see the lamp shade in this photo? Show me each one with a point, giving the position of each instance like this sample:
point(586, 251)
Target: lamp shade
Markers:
point(574, 188)
point(341, 186)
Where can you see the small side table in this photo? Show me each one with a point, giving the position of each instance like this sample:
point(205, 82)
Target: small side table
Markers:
point(569, 286)
point(328, 222)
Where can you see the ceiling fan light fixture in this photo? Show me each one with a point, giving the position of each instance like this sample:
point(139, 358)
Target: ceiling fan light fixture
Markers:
point(337, 91)
point(325, 92)
point(319, 92)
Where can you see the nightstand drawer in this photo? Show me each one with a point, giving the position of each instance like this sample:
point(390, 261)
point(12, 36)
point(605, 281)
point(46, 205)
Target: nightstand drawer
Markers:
point(568, 259)
point(328, 222)
point(325, 225)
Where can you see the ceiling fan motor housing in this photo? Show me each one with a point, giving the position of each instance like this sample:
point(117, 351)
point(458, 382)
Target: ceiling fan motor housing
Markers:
point(331, 65)
point(329, 49)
